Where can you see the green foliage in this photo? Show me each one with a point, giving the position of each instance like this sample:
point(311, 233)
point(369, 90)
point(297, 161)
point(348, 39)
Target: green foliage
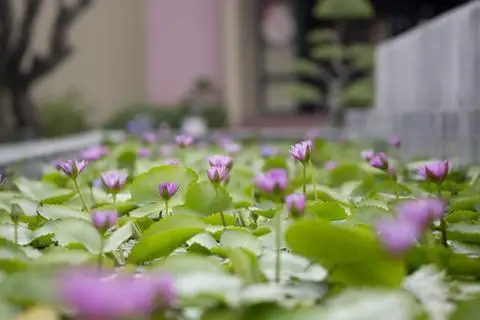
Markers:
point(343, 9)
point(333, 59)
point(358, 94)
point(262, 263)
point(63, 115)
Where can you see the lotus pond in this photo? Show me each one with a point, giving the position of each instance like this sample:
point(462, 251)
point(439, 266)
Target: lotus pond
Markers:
point(217, 229)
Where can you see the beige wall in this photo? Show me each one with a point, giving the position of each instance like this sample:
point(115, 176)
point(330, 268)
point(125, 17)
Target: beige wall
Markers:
point(109, 65)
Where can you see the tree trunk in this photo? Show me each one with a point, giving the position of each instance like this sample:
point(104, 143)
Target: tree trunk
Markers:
point(26, 118)
point(335, 108)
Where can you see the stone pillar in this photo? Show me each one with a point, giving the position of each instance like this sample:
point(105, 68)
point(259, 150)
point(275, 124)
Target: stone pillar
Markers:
point(233, 60)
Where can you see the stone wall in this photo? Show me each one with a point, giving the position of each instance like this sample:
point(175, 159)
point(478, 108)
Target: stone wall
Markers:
point(428, 82)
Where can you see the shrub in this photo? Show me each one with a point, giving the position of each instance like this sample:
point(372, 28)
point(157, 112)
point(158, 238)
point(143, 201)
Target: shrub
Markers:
point(63, 115)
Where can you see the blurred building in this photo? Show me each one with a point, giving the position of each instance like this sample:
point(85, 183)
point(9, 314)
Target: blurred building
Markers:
point(154, 50)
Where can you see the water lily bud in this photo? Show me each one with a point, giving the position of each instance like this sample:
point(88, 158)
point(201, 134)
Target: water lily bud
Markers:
point(184, 140)
point(273, 181)
point(379, 161)
point(397, 236)
point(220, 161)
point(149, 137)
point(144, 152)
point(436, 172)
point(367, 155)
point(108, 295)
point(416, 213)
point(16, 212)
point(232, 148)
point(71, 168)
point(217, 174)
point(395, 142)
point(103, 220)
point(94, 153)
point(330, 165)
point(113, 180)
point(172, 162)
point(296, 203)
point(168, 190)
point(302, 151)
point(268, 152)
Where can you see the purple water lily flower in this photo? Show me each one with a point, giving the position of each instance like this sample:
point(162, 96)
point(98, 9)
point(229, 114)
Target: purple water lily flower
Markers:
point(380, 161)
point(149, 137)
point(397, 236)
point(184, 140)
point(296, 203)
point(220, 161)
point(232, 148)
point(330, 165)
point(395, 141)
point(415, 212)
point(171, 162)
point(274, 180)
point(367, 155)
point(113, 180)
point(166, 150)
point(104, 220)
point(71, 168)
point(94, 153)
point(437, 208)
point(302, 151)
point(436, 171)
point(168, 190)
point(144, 152)
point(312, 134)
point(218, 174)
point(267, 152)
point(115, 296)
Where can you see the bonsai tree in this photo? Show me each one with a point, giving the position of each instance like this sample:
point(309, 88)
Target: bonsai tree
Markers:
point(344, 69)
point(17, 75)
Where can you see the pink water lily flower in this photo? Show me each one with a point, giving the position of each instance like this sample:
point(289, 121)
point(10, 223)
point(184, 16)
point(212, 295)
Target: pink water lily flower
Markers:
point(71, 168)
point(94, 153)
point(302, 151)
point(436, 171)
point(113, 180)
point(296, 203)
point(93, 295)
point(217, 174)
point(220, 161)
point(274, 180)
point(168, 189)
point(104, 220)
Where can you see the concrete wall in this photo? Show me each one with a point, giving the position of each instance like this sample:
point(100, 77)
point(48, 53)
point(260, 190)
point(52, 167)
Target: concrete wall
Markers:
point(184, 42)
point(432, 66)
point(109, 65)
point(427, 88)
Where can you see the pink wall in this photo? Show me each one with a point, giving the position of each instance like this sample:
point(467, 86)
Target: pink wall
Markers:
point(183, 43)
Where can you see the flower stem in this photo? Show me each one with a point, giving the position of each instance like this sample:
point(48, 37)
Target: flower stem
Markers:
point(312, 172)
point(100, 254)
point(221, 211)
point(166, 209)
point(15, 232)
point(80, 195)
point(114, 196)
point(304, 179)
point(443, 225)
point(92, 196)
point(278, 240)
